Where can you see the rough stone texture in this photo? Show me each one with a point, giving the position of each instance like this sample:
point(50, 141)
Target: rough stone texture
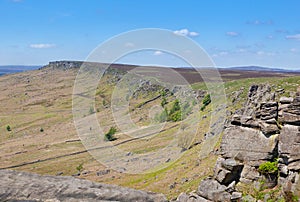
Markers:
point(21, 186)
point(286, 100)
point(183, 197)
point(261, 131)
point(213, 190)
point(227, 171)
point(291, 113)
point(289, 146)
point(247, 145)
point(249, 174)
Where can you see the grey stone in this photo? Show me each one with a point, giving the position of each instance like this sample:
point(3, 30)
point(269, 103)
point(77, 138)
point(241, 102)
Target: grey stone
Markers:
point(289, 146)
point(268, 129)
point(247, 144)
point(286, 100)
point(212, 190)
point(236, 195)
point(20, 186)
point(248, 121)
point(249, 174)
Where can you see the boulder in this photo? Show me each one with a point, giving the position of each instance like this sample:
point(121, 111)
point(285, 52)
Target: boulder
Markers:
point(286, 100)
point(268, 129)
point(249, 174)
point(289, 146)
point(21, 186)
point(248, 121)
point(227, 171)
point(236, 196)
point(212, 190)
point(247, 145)
point(291, 114)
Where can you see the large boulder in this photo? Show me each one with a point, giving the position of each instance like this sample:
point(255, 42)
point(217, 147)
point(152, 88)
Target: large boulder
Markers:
point(21, 186)
point(289, 146)
point(212, 190)
point(247, 145)
point(227, 171)
point(291, 114)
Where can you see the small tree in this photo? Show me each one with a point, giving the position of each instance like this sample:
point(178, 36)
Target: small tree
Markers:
point(79, 168)
point(8, 128)
point(163, 102)
point(110, 135)
point(206, 101)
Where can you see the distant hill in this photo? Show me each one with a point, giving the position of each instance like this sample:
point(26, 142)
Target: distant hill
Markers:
point(262, 69)
point(10, 69)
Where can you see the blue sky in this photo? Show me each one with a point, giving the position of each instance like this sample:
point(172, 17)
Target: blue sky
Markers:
point(234, 33)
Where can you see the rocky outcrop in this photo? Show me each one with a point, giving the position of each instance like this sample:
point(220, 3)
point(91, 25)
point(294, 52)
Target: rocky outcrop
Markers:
point(21, 186)
point(264, 130)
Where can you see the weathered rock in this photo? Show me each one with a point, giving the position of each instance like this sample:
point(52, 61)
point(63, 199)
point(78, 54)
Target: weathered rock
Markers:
point(23, 186)
point(247, 145)
point(192, 197)
point(212, 190)
point(249, 174)
point(236, 196)
point(268, 110)
point(289, 146)
point(291, 114)
point(268, 129)
point(248, 121)
point(227, 171)
point(286, 100)
point(236, 119)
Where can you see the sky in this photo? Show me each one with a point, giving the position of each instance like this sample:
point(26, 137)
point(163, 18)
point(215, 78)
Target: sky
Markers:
point(233, 33)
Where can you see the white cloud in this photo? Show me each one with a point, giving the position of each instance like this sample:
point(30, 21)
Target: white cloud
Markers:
point(42, 45)
point(223, 53)
point(294, 50)
point(232, 34)
point(260, 22)
point(129, 45)
point(260, 52)
point(293, 37)
point(158, 53)
point(194, 34)
point(186, 32)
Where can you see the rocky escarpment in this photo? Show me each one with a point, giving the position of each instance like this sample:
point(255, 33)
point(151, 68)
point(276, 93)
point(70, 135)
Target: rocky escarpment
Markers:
point(21, 186)
point(267, 129)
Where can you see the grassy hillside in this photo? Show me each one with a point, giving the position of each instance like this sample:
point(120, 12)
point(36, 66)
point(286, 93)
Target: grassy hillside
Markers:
point(37, 105)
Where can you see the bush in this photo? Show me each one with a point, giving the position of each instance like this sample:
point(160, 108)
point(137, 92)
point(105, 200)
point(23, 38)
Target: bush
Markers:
point(110, 135)
point(176, 116)
point(79, 168)
point(206, 101)
point(8, 128)
point(268, 167)
point(163, 102)
point(42, 130)
point(175, 112)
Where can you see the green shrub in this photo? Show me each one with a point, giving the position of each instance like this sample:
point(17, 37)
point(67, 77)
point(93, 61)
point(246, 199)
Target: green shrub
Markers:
point(42, 130)
point(8, 128)
point(163, 102)
point(175, 112)
point(110, 135)
point(268, 167)
point(79, 168)
point(176, 116)
point(206, 101)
